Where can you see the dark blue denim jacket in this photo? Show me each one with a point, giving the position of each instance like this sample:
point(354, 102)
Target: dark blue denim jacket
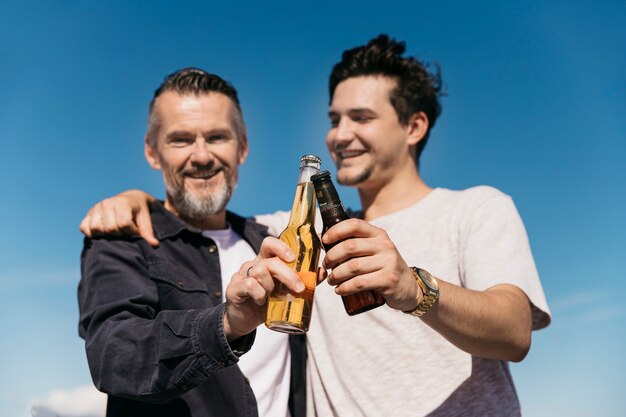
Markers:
point(152, 320)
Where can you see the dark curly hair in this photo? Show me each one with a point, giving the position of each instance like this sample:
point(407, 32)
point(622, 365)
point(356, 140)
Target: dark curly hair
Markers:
point(417, 90)
point(195, 81)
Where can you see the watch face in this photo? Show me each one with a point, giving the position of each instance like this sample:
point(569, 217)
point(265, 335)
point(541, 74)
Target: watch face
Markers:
point(428, 279)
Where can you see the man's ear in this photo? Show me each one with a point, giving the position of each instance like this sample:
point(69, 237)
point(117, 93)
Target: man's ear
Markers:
point(151, 154)
point(417, 128)
point(243, 148)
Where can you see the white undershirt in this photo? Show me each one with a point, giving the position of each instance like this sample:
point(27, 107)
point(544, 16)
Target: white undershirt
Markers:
point(268, 363)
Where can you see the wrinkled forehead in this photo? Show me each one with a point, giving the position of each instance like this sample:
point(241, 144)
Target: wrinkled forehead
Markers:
point(203, 111)
point(174, 104)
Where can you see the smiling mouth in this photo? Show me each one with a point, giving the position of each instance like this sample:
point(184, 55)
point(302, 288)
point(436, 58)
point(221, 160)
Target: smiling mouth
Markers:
point(349, 154)
point(201, 175)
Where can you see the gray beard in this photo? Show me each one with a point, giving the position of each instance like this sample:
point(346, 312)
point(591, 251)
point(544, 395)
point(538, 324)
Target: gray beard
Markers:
point(189, 206)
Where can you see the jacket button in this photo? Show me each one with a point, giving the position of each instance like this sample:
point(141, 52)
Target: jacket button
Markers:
point(222, 361)
point(183, 387)
point(212, 249)
point(180, 282)
point(217, 294)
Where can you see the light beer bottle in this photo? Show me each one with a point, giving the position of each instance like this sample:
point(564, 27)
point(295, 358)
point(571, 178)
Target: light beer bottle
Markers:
point(332, 212)
point(288, 312)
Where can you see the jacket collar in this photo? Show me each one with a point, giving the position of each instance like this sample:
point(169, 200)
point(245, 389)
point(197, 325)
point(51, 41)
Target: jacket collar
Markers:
point(167, 225)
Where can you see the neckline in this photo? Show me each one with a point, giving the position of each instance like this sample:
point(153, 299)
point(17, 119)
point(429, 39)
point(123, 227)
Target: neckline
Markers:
point(425, 201)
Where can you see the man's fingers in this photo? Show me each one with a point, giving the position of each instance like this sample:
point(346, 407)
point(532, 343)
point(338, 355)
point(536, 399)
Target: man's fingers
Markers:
point(350, 228)
point(282, 273)
point(358, 284)
point(258, 272)
point(109, 219)
point(255, 285)
point(272, 247)
point(124, 221)
point(97, 220)
point(267, 271)
point(354, 248)
point(84, 224)
point(252, 289)
point(144, 224)
point(355, 267)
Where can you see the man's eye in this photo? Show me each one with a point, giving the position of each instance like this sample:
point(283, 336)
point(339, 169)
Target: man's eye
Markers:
point(334, 122)
point(180, 141)
point(362, 118)
point(216, 138)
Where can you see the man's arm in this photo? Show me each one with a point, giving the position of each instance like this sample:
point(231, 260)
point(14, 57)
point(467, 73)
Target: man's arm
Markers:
point(136, 351)
point(495, 323)
point(127, 213)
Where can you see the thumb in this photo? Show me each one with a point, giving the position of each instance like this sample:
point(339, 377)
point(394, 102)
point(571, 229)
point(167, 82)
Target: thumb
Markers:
point(84, 224)
point(84, 227)
point(144, 224)
point(321, 274)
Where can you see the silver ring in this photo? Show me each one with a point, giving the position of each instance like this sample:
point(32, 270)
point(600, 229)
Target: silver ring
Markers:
point(248, 271)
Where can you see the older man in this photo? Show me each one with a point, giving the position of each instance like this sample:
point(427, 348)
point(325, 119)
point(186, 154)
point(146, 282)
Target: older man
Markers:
point(160, 339)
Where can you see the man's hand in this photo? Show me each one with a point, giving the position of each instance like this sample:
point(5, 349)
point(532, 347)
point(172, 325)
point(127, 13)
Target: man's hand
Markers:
point(366, 259)
point(250, 287)
point(495, 323)
point(124, 214)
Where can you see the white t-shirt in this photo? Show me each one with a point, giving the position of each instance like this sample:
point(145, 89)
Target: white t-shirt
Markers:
point(268, 363)
point(387, 363)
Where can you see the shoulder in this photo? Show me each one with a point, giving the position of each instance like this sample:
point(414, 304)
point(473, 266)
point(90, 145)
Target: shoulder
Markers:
point(474, 199)
point(275, 222)
point(477, 195)
point(133, 243)
point(112, 249)
point(473, 206)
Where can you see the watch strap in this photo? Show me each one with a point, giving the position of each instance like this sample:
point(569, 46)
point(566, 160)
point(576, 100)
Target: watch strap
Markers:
point(431, 295)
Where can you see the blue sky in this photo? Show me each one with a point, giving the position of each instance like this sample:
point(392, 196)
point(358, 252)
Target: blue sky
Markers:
point(536, 106)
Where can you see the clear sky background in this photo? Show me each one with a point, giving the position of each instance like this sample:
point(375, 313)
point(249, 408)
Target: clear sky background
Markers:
point(536, 106)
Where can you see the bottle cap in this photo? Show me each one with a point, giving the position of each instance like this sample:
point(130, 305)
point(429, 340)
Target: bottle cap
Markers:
point(311, 158)
point(320, 176)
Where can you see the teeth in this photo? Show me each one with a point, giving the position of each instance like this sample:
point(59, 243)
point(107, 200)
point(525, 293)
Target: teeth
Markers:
point(349, 154)
point(204, 176)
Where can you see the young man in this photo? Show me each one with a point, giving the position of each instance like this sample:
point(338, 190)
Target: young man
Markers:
point(160, 339)
point(454, 267)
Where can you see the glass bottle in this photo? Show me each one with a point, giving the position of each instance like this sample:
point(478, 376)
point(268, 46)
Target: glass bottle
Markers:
point(332, 212)
point(288, 312)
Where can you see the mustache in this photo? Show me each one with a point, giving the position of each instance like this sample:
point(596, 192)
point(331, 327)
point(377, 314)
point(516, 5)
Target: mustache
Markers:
point(202, 171)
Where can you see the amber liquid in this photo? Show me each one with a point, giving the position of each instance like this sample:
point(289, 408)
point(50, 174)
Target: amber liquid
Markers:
point(289, 312)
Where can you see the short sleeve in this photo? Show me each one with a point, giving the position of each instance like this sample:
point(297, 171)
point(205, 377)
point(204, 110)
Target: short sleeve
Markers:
point(495, 250)
point(275, 222)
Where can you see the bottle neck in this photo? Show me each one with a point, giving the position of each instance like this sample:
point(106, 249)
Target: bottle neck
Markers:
point(331, 209)
point(334, 215)
point(303, 208)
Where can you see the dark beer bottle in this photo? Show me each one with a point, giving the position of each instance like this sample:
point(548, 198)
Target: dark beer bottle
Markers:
point(332, 212)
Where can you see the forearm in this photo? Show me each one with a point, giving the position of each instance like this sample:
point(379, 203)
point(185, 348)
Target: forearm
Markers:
point(495, 323)
point(158, 360)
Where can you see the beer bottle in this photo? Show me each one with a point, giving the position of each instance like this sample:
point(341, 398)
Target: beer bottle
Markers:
point(288, 312)
point(332, 212)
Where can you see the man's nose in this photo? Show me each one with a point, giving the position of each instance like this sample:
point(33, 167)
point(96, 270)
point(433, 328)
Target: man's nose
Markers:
point(344, 131)
point(201, 154)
